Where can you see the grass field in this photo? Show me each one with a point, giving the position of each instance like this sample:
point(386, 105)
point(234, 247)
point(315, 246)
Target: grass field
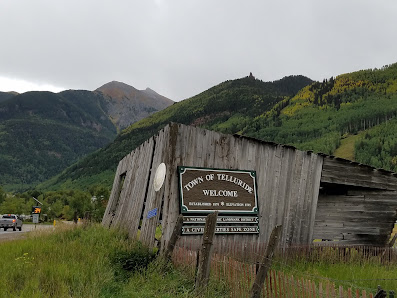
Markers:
point(91, 261)
point(346, 148)
point(87, 262)
point(365, 276)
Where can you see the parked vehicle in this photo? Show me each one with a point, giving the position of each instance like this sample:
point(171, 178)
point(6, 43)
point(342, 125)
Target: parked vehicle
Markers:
point(10, 221)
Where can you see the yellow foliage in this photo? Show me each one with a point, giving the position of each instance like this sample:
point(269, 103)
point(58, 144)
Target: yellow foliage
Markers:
point(392, 86)
point(345, 104)
point(292, 109)
point(304, 94)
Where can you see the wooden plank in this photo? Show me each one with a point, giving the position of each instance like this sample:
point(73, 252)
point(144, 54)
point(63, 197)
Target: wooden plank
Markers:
point(302, 209)
point(282, 199)
point(204, 262)
point(354, 218)
point(350, 221)
point(344, 172)
point(266, 263)
point(154, 198)
point(113, 197)
point(274, 197)
point(372, 193)
point(123, 201)
point(176, 232)
point(289, 156)
point(129, 208)
point(308, 199)
point(117, 217)
point(316, 178)
point(137, 191)
point(170, 210)
point(130, 168)
point(267, 200)
point(263, 174)
point(364, 207)
point(294, 197)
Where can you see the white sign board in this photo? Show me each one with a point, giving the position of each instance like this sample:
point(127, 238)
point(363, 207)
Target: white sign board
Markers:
point(35, 218)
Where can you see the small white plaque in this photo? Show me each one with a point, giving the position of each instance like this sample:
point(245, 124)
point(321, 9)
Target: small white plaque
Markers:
point(159, 177)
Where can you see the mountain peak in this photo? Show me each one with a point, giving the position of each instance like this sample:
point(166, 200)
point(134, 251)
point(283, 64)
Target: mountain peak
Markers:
point(117, 89)
point(150, 92)
point(128, 104)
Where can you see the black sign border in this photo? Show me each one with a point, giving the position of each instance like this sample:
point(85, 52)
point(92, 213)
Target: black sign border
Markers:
point(255, 221)
point(184, 209)
point(217, 233)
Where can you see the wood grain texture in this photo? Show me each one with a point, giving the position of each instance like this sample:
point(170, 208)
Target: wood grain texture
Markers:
point(339, 171)
point(361, 217)
point(154, 198)
point(286, 181)
point(288, 186)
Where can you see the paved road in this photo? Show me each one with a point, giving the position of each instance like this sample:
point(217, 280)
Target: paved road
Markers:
point(11, 235)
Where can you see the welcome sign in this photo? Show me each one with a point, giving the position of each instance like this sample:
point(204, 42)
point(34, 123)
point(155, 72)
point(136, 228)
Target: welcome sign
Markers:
point(205, 190)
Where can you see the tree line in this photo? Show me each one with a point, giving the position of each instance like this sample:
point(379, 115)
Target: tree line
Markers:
point(61, 204)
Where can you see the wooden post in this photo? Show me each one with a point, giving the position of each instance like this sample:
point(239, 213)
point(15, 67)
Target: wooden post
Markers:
point(203, 271)
point(197, 264)
point(266, 263)
point(174, 237)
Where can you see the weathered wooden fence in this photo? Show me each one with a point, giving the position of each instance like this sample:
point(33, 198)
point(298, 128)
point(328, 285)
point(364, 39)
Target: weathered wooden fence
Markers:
point(238, 269)
point(288, 185)
point(252, 252)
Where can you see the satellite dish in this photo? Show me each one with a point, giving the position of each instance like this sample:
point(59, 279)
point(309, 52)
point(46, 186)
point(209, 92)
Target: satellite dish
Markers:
point(159, 177)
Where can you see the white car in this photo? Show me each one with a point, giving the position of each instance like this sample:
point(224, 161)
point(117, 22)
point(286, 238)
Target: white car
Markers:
point(10, 221)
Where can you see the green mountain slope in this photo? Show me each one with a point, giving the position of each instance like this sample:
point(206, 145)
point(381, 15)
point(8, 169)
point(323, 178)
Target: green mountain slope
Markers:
point(321, 114)
point(42, 133)
point(227, 107)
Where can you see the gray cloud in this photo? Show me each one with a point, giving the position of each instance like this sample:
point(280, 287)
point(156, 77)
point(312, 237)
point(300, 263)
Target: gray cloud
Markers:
point(182, 47)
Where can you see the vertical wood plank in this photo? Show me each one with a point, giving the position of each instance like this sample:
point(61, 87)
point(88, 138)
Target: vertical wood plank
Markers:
point(170, 210)
point(113, 196)
point(316, 178)
point(154, 198)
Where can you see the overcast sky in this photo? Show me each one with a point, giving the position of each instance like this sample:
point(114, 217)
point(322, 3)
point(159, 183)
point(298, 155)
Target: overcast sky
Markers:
point(180, 48)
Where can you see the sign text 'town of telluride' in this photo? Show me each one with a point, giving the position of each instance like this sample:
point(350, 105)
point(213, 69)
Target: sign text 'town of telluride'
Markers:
point(207, 190)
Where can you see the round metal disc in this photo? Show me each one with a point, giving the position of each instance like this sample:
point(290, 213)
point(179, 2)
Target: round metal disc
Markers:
point(159, 177)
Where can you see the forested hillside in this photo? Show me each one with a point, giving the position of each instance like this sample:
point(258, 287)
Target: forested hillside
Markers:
point(227, 107)
point(358, 108)
point(322, 114)
point(42, 133)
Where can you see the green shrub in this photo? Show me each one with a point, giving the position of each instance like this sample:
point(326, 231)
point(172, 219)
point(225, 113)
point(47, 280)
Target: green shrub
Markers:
point(129, 261)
